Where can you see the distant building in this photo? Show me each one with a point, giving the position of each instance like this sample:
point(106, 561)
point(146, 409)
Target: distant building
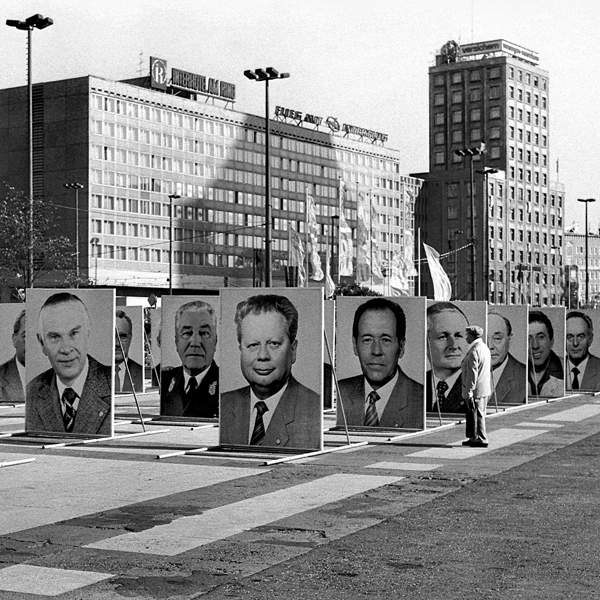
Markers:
point(493, 92)
point(133, 144)
point(574, 260)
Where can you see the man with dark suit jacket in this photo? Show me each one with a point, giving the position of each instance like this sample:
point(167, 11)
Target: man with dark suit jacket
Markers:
point(383, 395)
point(74, 396)
point(274, 410)
point(127, 370)
point(447, 346)
point(509, 376)
point(192, 390)
point(583, 368)
point(12, 372)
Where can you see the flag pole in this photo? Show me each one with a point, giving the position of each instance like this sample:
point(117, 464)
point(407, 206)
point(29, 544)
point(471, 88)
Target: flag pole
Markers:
point(419, 261)
point(306, 232)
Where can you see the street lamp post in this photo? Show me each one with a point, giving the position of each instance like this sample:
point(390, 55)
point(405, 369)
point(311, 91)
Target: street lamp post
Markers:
point(33, 22)
point(587, 272)
point(267, 75)
point(335, 218)
point(486, 255)
point(171, 198)
point(76, 186)
point(471, 152)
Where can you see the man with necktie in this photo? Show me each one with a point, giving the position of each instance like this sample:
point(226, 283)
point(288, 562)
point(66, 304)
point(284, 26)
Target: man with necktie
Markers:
point(274, 410)
point(12, 372)
point(74, 395)
point(127, 370)
point(383, 395)
point(583, 368)
point(447, 346)
point(192, 389)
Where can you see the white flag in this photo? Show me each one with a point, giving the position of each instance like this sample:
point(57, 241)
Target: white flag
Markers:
point(442, 288)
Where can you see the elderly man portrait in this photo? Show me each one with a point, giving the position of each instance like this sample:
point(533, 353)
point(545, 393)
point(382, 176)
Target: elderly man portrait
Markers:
point(192, 389)
point(383, 395)
point(447, 346)
point(546, 376)
point(126, 369)
point(274, 409)
point(74, 395)
point(509, 376)
point(583, 368)
point(12, 372)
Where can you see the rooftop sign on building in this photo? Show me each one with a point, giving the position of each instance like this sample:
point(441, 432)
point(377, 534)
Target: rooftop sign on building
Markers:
point(480, 50)
point(189, 82)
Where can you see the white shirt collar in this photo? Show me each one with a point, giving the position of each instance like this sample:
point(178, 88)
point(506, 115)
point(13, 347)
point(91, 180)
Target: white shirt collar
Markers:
point(76, 386)
point(271, 402)
point(384, 393)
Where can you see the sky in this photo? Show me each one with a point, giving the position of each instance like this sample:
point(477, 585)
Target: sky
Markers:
point(365, 62)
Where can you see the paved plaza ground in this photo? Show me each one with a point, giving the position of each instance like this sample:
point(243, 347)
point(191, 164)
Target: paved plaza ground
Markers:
point(407, 516)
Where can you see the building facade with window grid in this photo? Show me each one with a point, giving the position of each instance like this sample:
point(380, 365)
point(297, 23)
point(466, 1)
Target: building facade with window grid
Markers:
point(494, 92)
point(133, 147)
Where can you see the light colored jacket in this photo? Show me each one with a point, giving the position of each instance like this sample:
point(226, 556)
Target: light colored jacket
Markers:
point(476, 371)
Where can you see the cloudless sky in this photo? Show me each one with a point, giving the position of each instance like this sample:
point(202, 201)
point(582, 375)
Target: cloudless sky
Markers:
point(365, 62)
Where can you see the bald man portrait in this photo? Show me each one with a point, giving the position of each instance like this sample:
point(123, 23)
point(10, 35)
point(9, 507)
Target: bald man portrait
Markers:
point(509, 376)
point(74, 394)
point(12, 372)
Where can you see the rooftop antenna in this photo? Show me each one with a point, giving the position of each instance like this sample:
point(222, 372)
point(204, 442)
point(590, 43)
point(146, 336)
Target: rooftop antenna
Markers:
point(141, 64)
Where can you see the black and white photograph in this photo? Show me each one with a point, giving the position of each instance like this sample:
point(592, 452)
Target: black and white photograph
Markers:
point(13, 329)
point(446, 348)
point(271, 395)
point(129, 349)
point(70, 358)
point(381, 362)
point(189, 341)
point(582, 367)
point(546, 372)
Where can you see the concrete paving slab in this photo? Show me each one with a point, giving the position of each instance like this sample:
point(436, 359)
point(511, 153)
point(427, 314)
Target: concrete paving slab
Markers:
point(188, 533)
point(404, 466)
point(44, 581)
point(98, 485)
point(579, 413)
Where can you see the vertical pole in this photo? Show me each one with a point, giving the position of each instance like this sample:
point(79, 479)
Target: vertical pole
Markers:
point(371, 235)
point(473, 272)
point(484, 240)
point(77, 235)
point(587, 272)
point(306, 232)
point(171, 245)
point(29, 282)
point(419, 261)
point(267, 192)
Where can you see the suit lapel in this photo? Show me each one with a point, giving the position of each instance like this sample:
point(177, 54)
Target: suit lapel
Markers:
point(49, 408)
point(397, 402)
point(93, 406)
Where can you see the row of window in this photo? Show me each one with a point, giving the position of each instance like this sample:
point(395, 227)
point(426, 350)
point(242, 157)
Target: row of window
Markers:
point(228, 131)
point(493, 73)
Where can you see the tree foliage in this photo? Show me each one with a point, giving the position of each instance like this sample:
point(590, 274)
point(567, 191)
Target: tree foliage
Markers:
point(353, 289)
point(51, 250)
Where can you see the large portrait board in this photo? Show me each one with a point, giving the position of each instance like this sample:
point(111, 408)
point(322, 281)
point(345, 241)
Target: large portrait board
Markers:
point(13, 330)
point(446, 347)
point(272, 382)
point(546, 351)
point(189, 342)
point(582, 369)
point(70, 358)
point(381, 350)
point(328, 383)
point(509, 345)
point(129, 349)
point(154, 349)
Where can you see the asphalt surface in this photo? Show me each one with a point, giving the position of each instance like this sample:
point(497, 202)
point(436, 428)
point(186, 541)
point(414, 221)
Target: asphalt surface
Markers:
point(410, 516)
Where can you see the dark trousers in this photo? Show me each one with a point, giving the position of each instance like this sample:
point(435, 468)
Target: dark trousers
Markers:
point(476, 419)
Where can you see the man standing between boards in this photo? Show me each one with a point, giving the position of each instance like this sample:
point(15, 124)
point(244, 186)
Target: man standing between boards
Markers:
point(476, 370)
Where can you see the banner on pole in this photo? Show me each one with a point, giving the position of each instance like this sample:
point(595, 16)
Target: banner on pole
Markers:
point(442, 288)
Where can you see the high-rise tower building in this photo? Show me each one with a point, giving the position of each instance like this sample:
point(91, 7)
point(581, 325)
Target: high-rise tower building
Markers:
point(492, 97)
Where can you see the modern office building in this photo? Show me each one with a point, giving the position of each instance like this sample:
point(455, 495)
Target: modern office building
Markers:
point(575, 268)
point(175, 138)
point(492, 97)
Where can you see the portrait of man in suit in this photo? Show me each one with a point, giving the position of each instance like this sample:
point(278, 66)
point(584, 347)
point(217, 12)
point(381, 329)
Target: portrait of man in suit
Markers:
point(74, 395)
point(126, 369)
point(583, 368)
point(546, 376)
point(12, 372)
point(192, 389)
point(274, 409)
point(447, 346)
point(383, 395)
point(509, 376)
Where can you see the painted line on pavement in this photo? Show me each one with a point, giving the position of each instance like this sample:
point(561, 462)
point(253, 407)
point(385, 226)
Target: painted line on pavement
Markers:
point(498, 439)
point(533, 424)
point(578, 413)
point(100, 485)
point(44, 581)
point(404, 466)
point(219, 523)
